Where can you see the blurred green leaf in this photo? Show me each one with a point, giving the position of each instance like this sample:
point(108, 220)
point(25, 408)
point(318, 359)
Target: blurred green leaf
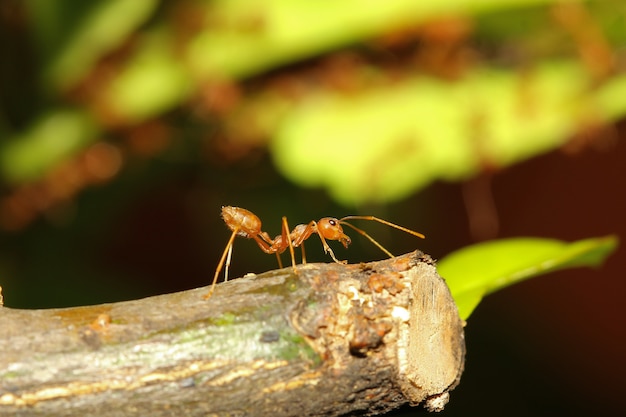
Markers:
point(382, 144)
point(476, 271)
point(73, 35)
point(51, 138)
point(154, 80)
point(243, 38)
point(250, 36)
point(379, 143)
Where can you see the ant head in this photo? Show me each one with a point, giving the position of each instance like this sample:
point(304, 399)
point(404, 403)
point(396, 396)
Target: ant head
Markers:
point(331, 229)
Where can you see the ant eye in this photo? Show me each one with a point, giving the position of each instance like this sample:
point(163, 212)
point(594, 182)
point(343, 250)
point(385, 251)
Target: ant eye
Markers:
point(332, 222)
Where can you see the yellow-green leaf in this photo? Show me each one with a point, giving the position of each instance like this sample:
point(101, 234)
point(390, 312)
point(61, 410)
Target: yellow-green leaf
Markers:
point(476, 271)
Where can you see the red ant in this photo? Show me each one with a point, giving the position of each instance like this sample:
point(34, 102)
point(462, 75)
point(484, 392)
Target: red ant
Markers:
point(246, 224)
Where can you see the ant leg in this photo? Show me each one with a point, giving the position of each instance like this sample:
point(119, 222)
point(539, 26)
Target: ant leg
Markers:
point(287, 235)
point(303, 253)
point(264, 236)
point(262, 244)
point(227, 250)
point(301, 233)
point(280, 263)
point(227, 265)
point(327, 248)
point(329, 251)
point(371, 239)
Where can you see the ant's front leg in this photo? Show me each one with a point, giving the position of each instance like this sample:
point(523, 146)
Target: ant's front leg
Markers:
point(329, 251)
point(327, 248)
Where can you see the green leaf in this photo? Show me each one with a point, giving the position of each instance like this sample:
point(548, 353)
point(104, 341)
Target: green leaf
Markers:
point(476, 271)
point(254, 36)
point(384, 143)
point(50, 139)
point(73, 36)
point(154, 80)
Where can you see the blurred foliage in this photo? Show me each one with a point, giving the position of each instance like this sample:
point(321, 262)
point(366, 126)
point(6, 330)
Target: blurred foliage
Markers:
point(428, 129)
point(72, 36)
point(471, 278)
point(368, 101)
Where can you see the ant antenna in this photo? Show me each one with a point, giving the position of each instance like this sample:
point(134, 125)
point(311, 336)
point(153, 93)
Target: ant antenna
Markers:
point(385, 222)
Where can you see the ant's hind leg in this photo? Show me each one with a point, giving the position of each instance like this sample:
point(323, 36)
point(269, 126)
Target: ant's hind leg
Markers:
point(227, 265)
point(227, 252)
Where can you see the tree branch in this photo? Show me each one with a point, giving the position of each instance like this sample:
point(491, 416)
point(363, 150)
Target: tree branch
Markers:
point(325, 340)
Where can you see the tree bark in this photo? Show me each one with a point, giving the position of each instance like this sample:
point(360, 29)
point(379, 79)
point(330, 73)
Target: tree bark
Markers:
point(323, 340)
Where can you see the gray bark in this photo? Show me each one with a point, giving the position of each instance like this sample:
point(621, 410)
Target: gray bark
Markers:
point(324, 340)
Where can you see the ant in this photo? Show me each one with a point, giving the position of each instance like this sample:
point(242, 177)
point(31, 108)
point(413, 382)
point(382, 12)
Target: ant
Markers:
point(246, 224)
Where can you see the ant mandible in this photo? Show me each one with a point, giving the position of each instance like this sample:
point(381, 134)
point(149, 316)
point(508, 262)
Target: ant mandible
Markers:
point(246, 224)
